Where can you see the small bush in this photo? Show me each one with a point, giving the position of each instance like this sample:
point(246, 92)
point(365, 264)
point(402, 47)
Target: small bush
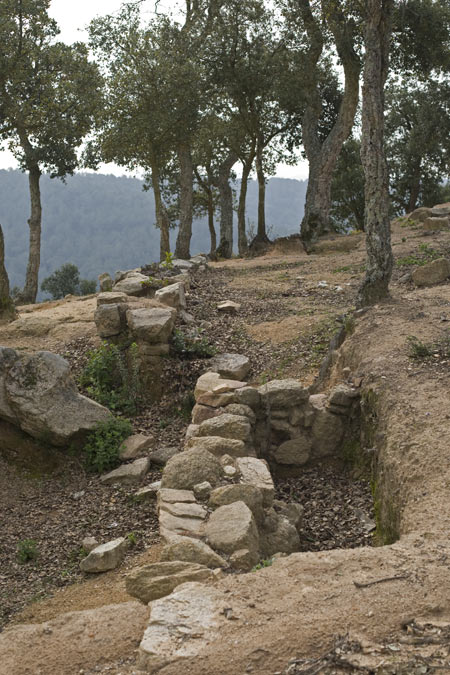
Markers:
point(27, 550)
point(111, 377)
point(191, 346)
point(103, 443)
point(418, 349)
point(261, 565)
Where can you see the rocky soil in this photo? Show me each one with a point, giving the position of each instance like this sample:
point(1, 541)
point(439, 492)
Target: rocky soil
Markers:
point(286, 319)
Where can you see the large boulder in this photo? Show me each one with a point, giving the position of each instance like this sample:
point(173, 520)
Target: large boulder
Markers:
point(256, 472)
point(296, 451)
point(156, 580)
point(191, 467)
point(108, 320)
point(231, 366)
point(172, 295)
point(134, 283)
point(38, 394)
point(231, 528)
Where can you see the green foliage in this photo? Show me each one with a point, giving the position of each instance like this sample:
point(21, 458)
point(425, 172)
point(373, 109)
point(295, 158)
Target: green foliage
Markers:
point(191, 346)
point(168, 262)
point(425, 254)
point(419, 350)
point(261, 565)
point(132, 538)
point(27, 550)
point(66, 280)
point(103, 443)
point(111, 377)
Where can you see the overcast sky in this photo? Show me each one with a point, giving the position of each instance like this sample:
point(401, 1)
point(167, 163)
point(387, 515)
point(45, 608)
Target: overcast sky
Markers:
point(73, 17)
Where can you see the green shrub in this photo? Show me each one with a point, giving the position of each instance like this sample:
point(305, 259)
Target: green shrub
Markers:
point(27, 550)
point(191, 346)
point(103, 443)
point(66, 280)
point(111, 377)
point(418, 349)
point(261, 565)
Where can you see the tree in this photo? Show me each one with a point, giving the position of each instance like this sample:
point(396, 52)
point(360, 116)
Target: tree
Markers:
point(417, 141)
point(66, 281)
point(7, 309)
point(347, 188)
point(314, 27)
point(49, 93)
point(379, 264)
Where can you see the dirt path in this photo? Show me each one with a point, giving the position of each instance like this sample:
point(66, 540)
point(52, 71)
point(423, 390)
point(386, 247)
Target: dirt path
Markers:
point(298, 607)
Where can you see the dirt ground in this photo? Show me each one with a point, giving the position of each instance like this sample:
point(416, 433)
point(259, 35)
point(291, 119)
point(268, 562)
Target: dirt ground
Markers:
point(353, 610)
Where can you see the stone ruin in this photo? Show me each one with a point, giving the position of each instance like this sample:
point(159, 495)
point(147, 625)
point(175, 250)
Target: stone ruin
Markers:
point(141, 309)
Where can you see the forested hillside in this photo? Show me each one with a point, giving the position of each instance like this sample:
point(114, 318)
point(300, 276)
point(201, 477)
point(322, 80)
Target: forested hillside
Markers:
point(105, 223)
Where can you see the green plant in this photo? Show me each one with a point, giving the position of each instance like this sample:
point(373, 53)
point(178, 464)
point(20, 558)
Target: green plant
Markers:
point(261, 565)
point(168, 262)
point(66, 280)
point(425, 254)
point(103, 444)
point(191, 346)
point(27, 550)
point(111, 377)
point(418, 349)
point(132, 538)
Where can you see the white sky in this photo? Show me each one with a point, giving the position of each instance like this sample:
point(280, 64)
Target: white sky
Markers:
point(73, 17)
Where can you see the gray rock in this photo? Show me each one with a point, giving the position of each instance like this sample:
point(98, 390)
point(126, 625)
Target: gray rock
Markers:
point(105, 557)
point(184, 509)
point(135, 445)
point(89, 543)
point(112, 298)
point(256, 472)
point(249, 494)
point(182, 264)
point(283, 393)
point(343, 395)
point(327, 431)
point(200, 413)
point(227, 426)
point(228, 307)
point(174, 496)
point(127, 474)
point(241, 410)
point(194, 551)
point(38, 394)
point(172, 295)
point(292, 511)
point(149, 493)
point(243, 559)
point(173, 526)
point(219, 446)
point(278, 536)
point(421, 214)
point(105, 281)
point(202, 490)
point(432, 273)
point(231, 528)
point(248, 396)
point(231, 366)
point(134, 284)
point(296, 451)
point(435, 223)
point(214, 385)
point(153, 325)
point(161, 456)
point(157, 580)
point(191, 467)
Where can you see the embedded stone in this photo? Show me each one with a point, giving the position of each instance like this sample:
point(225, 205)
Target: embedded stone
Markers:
point(249, 494)
point(296, 451)
point(283, 393)
point(433, 272)
point(227, 426)
point(153, 324)
point(191, 467)
point(231, 366)
point(172, 295)
point(256, 472)
point(157, 580)
point(127, 474)
point(194, 551)
point(219, 446)
point(228, 307)
point(231, 528)
point(105, 557)
point(135, 445)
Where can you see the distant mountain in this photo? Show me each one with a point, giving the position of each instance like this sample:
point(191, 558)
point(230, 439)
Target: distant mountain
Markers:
point(103, 223)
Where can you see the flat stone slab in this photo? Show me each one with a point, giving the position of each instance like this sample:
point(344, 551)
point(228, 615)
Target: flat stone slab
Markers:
point(193, 550)
point(184, 510)
point(179, 525)
point(228, 426)
point(213, 384)
point(157, 580)
point(149, 493)
point(181, 625)
point(228, 307)
point(135, 445)
point(283, 393)
point(173, 496)
point(219, 446)
point(127, 473)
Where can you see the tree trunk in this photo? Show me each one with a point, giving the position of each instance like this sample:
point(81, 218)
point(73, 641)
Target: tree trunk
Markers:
point(7, 309)
point(415, 188)
point(212, 229)
point(246, 168)
point(225, 248)
point(162, 219)
point(261, 235)
point(378, 235)
point(30, 290)
point(182, 248)
point(322, 156)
